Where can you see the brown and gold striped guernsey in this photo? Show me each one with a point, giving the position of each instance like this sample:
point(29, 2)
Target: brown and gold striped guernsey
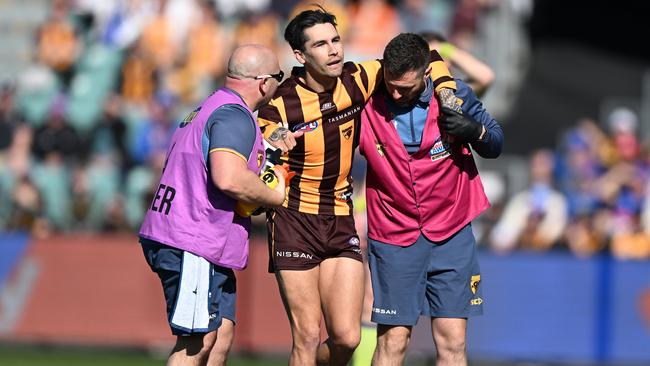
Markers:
point(323, 157)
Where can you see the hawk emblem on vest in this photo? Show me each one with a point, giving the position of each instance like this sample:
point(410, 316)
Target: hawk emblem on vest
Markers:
point(260, 158)
point(380, 150)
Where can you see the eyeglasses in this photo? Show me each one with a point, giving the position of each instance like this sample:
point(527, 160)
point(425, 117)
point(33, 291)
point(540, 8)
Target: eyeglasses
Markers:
point(279, 76)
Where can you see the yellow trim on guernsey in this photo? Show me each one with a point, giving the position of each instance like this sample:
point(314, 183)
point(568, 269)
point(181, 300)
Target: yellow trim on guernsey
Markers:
point(230, 151)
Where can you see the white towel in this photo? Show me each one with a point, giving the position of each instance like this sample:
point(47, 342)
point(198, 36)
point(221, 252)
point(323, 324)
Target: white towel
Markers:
point(191, 311)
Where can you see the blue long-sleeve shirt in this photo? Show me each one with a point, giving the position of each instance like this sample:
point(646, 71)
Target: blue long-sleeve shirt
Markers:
point(409, 121)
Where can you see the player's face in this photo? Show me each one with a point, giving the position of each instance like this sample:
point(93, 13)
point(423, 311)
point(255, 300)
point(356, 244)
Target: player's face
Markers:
point(323, 53)
point(406, 88)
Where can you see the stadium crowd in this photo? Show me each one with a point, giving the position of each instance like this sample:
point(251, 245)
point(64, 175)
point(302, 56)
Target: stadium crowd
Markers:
point(84, 129)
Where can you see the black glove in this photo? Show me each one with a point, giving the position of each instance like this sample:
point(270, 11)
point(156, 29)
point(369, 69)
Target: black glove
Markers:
point(459, 125)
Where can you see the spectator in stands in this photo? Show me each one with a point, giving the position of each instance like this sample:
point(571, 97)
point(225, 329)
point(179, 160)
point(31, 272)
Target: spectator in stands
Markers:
point(207, 45)
point(57, 42)
point(581, 162)
point(152, 135)
point(535, 218)
point(57, 136)
point(622, 189)
point(335, 7)
point(474, 72)
point(109, 135)
point(424, 15)
point(259, 28)
point(139, 79)
point(27, 208)
point(8, 116)
point(372, 24)
point(157, 41)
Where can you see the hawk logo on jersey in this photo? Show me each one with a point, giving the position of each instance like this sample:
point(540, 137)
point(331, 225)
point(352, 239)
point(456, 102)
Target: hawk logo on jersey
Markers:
point(440, 150)
point(474, 282)
point(347, 133)
point(190, 117)
point(307, 126)
point(380, 150)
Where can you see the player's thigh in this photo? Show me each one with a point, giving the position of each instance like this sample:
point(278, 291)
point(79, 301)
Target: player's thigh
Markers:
point(301, 296)
point(448, 331)
point(225, 336)
point(341, 286)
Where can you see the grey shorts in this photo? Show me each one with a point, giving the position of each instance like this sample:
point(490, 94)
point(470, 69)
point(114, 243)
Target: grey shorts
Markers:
point(436, 279)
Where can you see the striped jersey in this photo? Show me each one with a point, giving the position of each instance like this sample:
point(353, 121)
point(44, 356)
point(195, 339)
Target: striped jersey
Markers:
point(323, 157)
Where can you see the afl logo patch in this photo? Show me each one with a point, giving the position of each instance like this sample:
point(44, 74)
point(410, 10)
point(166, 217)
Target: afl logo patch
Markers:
point(306, 127)
point(343, 196)
point(440, 150)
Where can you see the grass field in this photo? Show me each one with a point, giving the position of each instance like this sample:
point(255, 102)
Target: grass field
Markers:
point(48, 356)
point(39, 356)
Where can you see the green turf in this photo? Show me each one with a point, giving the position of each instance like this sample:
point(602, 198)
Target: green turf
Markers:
point(21, 356)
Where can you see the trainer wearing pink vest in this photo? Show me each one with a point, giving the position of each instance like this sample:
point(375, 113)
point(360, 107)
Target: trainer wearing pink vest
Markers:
point(422, 192)
point(191, 236)
point(435, 191)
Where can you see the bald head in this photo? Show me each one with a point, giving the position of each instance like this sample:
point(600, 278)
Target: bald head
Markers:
point(251, 60)
point(252, 72)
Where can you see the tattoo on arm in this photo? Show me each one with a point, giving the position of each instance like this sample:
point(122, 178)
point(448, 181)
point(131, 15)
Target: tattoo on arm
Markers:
point(448, 99)
point(279, 134)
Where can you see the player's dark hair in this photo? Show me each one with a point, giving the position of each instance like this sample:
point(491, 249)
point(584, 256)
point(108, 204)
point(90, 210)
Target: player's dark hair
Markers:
point(294, 34)
point(406, 52)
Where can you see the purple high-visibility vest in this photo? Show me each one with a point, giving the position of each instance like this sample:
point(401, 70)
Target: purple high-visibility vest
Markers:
point(188, 211)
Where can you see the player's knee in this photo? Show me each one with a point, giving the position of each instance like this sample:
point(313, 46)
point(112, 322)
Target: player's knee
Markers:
point(394, 342)
point(307, 337)
point(451, 348)
point(348, 340)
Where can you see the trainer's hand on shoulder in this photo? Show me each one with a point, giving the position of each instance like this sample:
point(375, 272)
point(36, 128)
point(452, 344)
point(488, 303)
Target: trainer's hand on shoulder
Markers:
point(284, 139)
point(459, 125)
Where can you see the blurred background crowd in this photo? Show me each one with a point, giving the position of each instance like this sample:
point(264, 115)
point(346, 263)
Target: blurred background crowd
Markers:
point(91, 92)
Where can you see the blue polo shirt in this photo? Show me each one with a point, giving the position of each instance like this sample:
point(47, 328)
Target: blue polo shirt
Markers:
point(409, 120)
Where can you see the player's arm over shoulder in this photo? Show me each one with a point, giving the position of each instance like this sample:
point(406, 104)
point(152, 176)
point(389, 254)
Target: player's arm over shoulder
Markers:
point(440, 75)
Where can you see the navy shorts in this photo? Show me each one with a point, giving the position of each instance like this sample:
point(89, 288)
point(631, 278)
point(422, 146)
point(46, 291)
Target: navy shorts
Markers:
point(435, 279)
point(198, 293)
